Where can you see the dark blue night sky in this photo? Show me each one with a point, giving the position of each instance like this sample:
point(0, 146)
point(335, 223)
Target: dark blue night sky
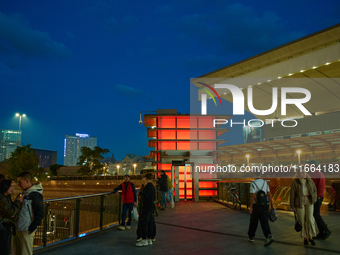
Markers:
point(86, 66)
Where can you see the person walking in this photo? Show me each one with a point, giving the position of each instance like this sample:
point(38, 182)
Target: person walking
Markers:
point(129, 198)
point(147, 213)
point(320, 184)
point(163, 186)
point(30, 216)
point(8, 213)
point(170, 193)
point(303, 195)
point(259, 209)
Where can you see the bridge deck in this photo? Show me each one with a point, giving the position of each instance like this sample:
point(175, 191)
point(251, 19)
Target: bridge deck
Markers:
point(205, 228)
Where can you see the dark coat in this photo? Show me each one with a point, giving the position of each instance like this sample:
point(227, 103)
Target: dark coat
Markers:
point(163, 183)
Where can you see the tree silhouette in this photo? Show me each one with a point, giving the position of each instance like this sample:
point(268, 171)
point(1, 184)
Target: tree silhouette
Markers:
point(24, 159)
point(89, 160)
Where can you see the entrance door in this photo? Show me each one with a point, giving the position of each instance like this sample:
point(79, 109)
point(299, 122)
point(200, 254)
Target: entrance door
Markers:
point(183, 182)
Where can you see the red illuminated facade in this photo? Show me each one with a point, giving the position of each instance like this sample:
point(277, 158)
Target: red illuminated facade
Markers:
point(190, 139)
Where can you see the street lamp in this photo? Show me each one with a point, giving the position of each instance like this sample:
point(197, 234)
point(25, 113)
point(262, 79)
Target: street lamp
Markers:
point(117, 169)
point(247, 156)
point(134, 168)
point(20, 115)
point(298, 152)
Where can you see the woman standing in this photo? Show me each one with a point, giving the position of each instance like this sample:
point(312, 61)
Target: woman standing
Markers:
point(8, 212)
point(303, 195)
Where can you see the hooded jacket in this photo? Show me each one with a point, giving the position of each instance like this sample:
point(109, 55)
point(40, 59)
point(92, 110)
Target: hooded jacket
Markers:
point(32, 209)
point(296, 192)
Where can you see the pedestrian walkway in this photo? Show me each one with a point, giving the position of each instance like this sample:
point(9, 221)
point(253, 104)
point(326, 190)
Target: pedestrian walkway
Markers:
point(205, 228)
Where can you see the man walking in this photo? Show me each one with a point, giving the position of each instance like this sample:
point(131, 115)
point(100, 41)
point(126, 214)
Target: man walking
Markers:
point(129, 200)
point(147, 213)
point(30, 216)
point(163, 186)
point(259, 209)
point(320, 183)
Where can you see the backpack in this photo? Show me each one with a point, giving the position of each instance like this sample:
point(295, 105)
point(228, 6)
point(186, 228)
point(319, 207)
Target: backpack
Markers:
point(261, 196)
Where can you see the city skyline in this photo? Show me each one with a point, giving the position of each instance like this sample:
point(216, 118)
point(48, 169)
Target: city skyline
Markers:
point(92, 66)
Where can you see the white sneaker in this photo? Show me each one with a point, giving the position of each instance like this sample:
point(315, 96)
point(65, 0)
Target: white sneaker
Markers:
point(149, 241)
point(121, 228)
point(138, 240)
point(127, 227)
point(142, 243)
point(153, 240)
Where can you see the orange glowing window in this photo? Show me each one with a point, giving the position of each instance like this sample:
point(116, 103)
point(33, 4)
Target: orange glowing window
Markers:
point(183, 122)
point(207, 146)
point(193, 134)
point(205, 122)
point(194, 146)
point(166, 145)
point(183, 134)
point(207, 134)
point(166, 134)
point(166, 122)
point(183, 146)
point(165, 167)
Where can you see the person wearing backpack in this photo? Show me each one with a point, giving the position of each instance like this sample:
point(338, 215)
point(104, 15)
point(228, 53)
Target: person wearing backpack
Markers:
point(259, 209)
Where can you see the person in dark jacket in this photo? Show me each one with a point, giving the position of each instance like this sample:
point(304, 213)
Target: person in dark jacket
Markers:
point(129, 200)
point(30, 216)
point(140, 205)
point(320, 183)
point(163, 186)
point(147, 213)
point(8, 212)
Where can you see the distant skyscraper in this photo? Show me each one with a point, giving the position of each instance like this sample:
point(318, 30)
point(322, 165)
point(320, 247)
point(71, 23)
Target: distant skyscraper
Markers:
point(73, 144)
point(9, 140)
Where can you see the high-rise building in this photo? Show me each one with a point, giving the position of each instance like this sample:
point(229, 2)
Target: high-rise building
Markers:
point(9, 140)
point(73, 144)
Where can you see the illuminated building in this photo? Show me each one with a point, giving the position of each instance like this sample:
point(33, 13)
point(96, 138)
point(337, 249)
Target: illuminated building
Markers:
point(181, 143)
point(8, 142)
point(73, 144)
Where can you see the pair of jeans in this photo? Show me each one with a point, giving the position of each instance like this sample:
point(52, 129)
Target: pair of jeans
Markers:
point(169, 196)
point(319, 221)
point(260, 213)
point(126, 208)
point(164, 199)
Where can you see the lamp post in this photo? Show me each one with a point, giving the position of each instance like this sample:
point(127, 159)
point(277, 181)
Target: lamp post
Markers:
point(247, 156)
point(20, 115)
point(134, 169)
point(117, 169)
point(298, 152)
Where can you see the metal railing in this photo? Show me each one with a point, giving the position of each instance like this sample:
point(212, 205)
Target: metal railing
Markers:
point(281, 197)
point(69, 218)
point(241, 187)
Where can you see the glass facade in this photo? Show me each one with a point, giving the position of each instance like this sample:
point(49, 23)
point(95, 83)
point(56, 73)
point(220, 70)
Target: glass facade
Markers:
point(72, 147)
point(9, 140)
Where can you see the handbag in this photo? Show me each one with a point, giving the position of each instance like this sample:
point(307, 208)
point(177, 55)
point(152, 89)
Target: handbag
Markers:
point(135, 213)
point(297, 226)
